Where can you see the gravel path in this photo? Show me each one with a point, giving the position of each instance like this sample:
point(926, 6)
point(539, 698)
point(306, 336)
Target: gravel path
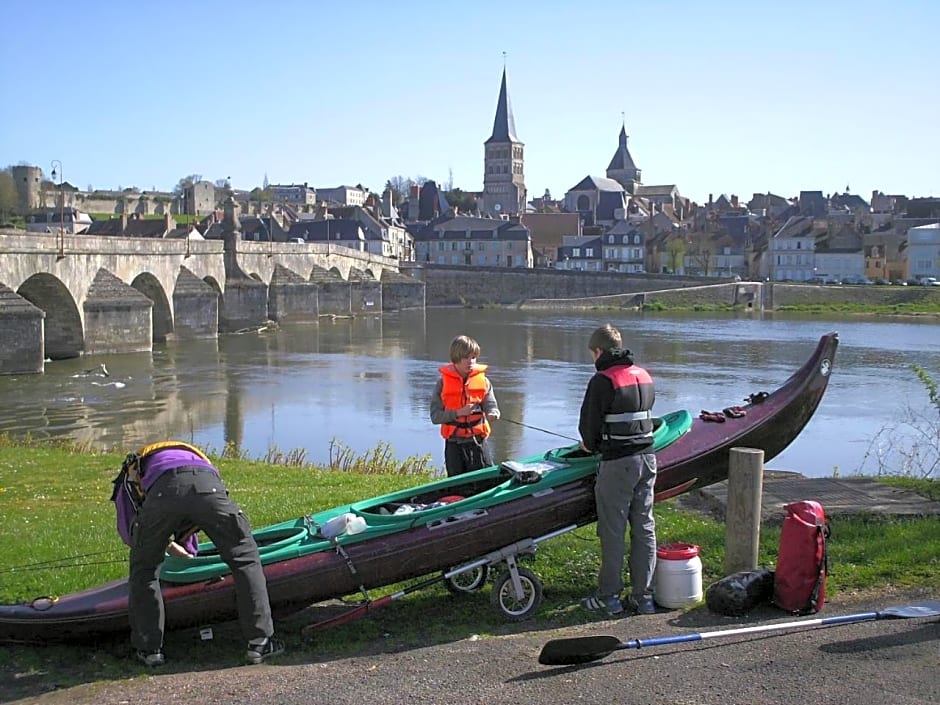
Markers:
point(894, 661)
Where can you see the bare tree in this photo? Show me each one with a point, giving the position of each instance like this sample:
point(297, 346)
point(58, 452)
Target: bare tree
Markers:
point(186, 182)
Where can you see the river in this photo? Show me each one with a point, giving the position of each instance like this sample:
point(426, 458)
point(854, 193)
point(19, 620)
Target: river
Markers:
point(365, 381)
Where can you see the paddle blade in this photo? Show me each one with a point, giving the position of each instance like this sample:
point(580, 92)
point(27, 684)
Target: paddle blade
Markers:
point(579, 649)
point(928, 608)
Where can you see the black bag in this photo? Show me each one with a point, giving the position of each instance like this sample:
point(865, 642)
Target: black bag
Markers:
point(737, 594)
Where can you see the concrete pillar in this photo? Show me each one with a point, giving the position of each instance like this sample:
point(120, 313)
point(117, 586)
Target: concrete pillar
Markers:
point(743, 515)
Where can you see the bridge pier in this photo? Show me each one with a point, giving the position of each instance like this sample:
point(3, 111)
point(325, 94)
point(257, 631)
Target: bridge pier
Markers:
point(244, 305)
point(291, 298)
point(196, 308)
point(21, 345)
point(118, 318)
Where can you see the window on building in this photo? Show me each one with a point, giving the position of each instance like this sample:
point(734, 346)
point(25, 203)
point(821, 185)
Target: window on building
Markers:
point(576, 252)
point(588, 251)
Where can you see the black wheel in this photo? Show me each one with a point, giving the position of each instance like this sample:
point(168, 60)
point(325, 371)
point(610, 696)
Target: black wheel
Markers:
point(469, 581)
point(513, 607)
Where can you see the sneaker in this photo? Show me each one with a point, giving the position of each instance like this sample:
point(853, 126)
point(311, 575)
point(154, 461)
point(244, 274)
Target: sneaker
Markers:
point(151, 658)
point(610, 605)
point(642, 605)
point(260, 652)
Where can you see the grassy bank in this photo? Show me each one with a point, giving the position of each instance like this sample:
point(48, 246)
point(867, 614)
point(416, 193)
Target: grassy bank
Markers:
point(59, 536)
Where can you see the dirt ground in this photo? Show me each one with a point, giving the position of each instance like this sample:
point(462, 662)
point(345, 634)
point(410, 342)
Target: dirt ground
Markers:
point(894, 661)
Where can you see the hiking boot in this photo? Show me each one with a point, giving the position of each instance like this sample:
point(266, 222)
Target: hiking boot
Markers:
point(151, 658)
point(264, 650)
point(642, 605)
point(610, 605)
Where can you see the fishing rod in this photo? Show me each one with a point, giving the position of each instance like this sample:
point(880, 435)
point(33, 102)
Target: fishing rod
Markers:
point(61, 562)
point(543, 430)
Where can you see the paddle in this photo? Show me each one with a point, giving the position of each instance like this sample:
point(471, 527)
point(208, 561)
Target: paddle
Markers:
point(566, 652)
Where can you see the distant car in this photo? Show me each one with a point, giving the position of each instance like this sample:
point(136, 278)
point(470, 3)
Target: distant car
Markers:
point(899, 282)
point(882, 282)
point(298, 240)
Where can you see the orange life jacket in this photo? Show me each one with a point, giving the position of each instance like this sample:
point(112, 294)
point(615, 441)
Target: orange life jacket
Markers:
point(456, 392)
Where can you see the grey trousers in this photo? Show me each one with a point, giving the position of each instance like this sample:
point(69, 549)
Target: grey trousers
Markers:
point(624, 494)
point(191, 495)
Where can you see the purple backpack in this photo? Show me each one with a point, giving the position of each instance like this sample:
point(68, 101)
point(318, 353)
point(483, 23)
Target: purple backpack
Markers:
point(128, 497)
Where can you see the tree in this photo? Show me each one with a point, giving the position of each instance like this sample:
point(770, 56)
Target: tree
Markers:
point(675, 254)
point(461, 200)
point(9, 198)
point(399, 188)
point(186, 182)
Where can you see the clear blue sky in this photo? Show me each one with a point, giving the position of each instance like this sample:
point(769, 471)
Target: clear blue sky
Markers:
point(718, 97)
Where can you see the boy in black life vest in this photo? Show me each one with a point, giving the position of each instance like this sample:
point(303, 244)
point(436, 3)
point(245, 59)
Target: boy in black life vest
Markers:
point(617, 422)
point(463, 404)
point(171, 490)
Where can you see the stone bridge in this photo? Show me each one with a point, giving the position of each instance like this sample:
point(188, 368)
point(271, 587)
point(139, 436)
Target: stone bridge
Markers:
point(65, 296)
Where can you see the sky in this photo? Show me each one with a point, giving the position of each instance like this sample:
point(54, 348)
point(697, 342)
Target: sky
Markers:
point(719, 97)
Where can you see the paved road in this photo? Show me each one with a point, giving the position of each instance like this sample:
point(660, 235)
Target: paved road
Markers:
point(894, 662)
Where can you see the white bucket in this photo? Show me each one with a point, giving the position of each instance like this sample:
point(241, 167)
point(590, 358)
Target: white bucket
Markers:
point(677, 580)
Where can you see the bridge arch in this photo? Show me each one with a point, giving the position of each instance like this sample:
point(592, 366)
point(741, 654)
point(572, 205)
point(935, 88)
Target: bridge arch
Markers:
point(64, 335)
point(148, 285)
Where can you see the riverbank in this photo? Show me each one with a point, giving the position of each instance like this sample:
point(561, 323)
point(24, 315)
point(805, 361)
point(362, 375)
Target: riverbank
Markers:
point(457, 639)
point(883, 663)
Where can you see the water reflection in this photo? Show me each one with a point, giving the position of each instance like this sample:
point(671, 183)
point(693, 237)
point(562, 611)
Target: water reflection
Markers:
point(367, 380)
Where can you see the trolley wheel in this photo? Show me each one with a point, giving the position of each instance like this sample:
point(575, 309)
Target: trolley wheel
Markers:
point(504, 596)
point(469, 581)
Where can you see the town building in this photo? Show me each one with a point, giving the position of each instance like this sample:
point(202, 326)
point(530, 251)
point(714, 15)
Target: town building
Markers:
point(473, 241)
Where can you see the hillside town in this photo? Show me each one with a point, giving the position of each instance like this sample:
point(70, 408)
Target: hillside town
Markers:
point(603, 223)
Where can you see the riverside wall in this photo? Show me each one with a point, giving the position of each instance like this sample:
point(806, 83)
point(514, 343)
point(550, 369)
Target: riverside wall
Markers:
point(555, 289)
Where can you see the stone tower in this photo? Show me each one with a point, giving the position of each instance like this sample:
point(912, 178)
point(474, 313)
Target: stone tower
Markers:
point(503, 159)
point(28, 186)
point(621, 168)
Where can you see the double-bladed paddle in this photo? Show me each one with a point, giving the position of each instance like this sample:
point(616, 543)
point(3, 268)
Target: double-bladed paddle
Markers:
point(584, 649)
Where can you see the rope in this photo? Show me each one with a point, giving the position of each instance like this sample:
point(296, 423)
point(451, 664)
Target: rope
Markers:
point(543, 430)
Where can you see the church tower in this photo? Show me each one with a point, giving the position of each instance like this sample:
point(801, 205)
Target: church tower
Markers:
point(621, 168)
point(503, 175)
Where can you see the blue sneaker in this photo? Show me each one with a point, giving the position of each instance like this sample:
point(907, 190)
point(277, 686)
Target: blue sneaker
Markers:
point(642, 605)
point(610, 605)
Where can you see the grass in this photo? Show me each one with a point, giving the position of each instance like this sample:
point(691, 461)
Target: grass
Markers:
point(55, 506)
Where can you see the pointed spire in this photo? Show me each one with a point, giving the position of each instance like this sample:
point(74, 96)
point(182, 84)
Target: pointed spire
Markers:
point(504, 126)
point(622, 159)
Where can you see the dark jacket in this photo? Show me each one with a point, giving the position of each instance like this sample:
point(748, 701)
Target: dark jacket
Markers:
point(618, 387)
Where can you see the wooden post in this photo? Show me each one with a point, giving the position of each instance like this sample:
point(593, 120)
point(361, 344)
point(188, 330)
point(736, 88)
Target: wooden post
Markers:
point(742, 520)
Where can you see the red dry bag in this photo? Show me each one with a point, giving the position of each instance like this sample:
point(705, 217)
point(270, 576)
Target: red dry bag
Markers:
point(802, 562)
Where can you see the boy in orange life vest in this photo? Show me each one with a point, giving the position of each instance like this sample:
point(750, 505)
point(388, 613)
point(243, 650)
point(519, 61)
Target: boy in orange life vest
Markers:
point(463, 404)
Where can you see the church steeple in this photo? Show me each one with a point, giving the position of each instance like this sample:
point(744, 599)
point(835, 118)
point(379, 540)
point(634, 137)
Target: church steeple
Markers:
point(622, 169)
point(504, 125)
point(504, 190)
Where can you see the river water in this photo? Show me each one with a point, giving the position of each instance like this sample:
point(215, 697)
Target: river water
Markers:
point(361, 382)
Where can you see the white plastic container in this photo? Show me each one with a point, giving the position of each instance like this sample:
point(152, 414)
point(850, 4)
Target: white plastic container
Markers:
point(677, 580)
point(355, 524)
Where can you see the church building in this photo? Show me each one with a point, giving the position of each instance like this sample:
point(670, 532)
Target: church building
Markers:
point(504, 190)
